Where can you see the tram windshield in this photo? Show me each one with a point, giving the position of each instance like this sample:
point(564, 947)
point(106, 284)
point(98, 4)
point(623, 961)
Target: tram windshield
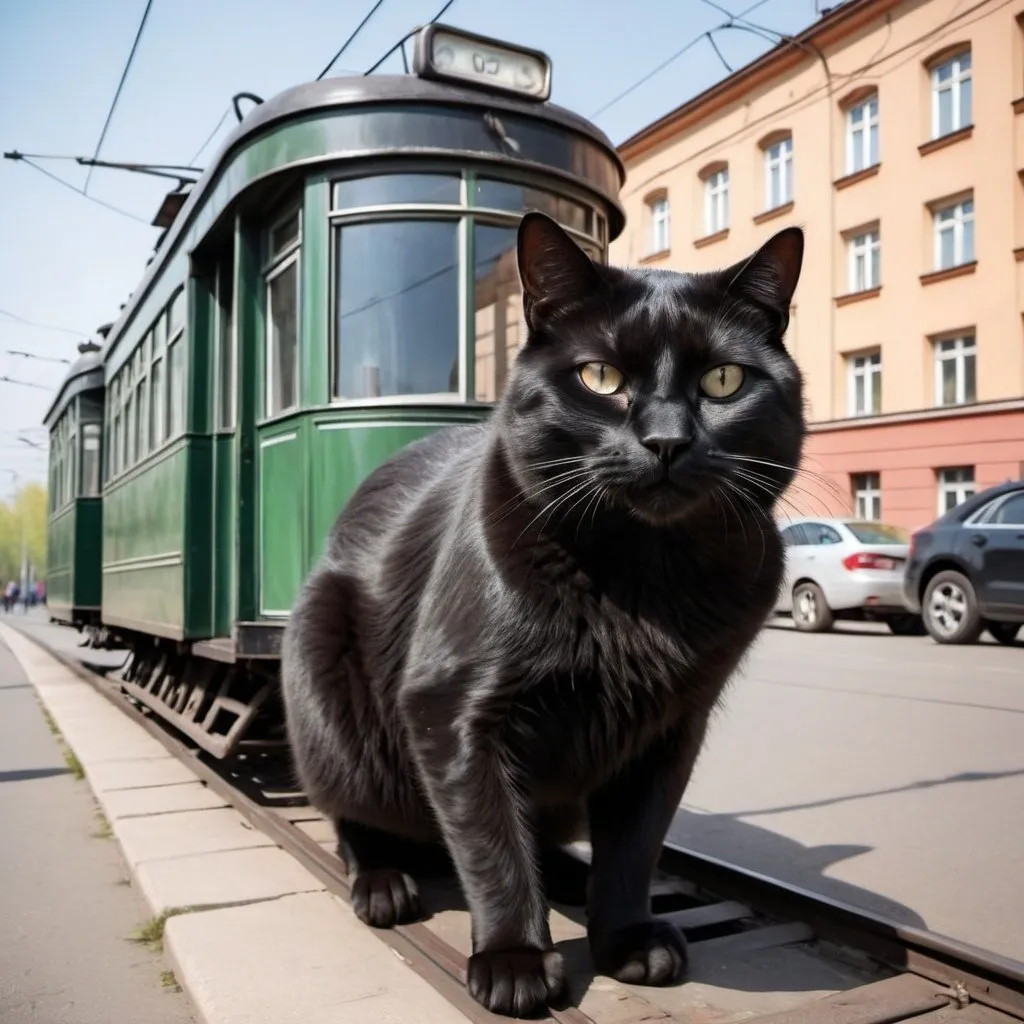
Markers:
point(427, 296)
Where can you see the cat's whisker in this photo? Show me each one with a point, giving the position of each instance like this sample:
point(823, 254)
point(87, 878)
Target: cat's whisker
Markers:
point(552, 505)
point(526, 496)
point(770, 488)
point(823, 508)
point(830, 485)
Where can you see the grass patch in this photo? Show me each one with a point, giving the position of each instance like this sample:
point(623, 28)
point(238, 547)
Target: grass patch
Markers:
point(50, 723)
point(70, 758)
point(151, 934)
point(168, 980)
point(74, 765)
point(103, 829)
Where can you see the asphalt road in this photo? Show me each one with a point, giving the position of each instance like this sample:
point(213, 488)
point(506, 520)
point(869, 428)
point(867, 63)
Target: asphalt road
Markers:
point(65, 909)
point(883, 771)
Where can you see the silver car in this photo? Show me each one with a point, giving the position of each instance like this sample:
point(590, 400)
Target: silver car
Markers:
point(845, 569)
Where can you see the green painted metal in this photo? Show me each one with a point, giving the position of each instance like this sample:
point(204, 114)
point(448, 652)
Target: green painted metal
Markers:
point(310, 465)
point(73, 583)
point(225, 521)
point(144, 544)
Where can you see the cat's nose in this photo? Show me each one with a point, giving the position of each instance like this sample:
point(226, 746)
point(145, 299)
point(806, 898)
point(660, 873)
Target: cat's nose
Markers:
point(665, 447)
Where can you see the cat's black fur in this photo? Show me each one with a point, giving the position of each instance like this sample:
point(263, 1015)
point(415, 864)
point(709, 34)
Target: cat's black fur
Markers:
point(499, 649)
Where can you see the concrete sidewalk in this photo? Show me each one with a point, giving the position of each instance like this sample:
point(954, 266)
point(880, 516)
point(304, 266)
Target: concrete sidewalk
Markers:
point(254, 937)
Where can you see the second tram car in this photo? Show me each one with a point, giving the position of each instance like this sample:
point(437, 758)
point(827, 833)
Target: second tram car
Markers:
point(341, 281)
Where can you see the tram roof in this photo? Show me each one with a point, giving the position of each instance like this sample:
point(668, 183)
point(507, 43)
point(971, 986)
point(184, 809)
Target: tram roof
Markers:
point(354, 91)
point(86, 374)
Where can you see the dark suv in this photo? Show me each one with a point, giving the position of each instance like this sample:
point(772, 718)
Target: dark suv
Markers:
point(965, 572)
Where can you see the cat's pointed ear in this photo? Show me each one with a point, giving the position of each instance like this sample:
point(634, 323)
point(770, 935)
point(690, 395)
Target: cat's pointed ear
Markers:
point(556, 273)
point(769, 276)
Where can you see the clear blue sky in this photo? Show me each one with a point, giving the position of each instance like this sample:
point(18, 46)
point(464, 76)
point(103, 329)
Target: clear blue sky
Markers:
point(69, 262)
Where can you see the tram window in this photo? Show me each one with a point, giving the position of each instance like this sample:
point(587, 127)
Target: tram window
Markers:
point(283, 339)
point(391, 189)
point(397, 328)
point(175, 388)
point(176, 315)
point(156, 410)
point(284, 235)
point(506, 195)
point(130, 435)
point(498, 308)
point(142, 412)
point(226, 348)
point(90, 460)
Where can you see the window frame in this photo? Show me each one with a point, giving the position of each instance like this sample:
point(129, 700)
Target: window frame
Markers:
point(965, 346)
point(957, 223)
point(866, 245)
point(274, 266)
point(467, 215)
point(864, 366)
point(783, 161)
point(968, 488)
point(716, 201)
point(867, 487)
point(868, 121)
point(955, 86)
point(660, 215)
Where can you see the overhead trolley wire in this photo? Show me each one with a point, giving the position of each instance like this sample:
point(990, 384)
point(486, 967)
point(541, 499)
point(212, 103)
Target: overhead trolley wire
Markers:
point(675, 56)
point(400, 45)
point(348, 42)
point(82, 192)
point(120, 86)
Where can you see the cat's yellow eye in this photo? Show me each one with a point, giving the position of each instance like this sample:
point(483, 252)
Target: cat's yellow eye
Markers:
point(601, 378)
point(722, 381)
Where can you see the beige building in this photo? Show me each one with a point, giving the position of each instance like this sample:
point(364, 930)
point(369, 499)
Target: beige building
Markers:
point(893, 134)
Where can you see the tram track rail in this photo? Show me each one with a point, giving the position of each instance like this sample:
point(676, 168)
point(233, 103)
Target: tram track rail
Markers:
point(900, 973)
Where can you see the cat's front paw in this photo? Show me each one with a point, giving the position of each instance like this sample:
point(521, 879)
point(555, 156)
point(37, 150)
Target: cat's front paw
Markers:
point(647, 953)
point(384, 897)
point(516, 982)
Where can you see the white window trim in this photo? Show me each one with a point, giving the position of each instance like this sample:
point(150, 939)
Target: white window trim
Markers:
point(866, 243)
point(866, 370)
point(783, 160)
point(868, 121)
point(954, 85)
point(716, 196)
point(956, 224)
point(268, 362)
point(962, 489)
point(661, 223)
point(966, 345)
point(868, 493)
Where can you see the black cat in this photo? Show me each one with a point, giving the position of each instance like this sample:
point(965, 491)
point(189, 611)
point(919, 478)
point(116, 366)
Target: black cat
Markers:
point(519, 629)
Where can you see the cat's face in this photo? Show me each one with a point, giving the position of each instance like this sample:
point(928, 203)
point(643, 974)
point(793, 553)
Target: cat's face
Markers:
point(653, 391)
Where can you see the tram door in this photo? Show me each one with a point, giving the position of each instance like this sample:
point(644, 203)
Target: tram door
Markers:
point(225, 445)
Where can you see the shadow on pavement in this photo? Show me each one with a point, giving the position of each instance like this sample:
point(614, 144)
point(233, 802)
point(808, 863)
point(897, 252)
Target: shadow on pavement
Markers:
point(759, 849)
point(27, 774)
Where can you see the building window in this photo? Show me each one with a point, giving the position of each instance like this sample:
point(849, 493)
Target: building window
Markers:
point(862, 135)
point(867, 495)
point(951, 95)
point(954, 234)
point(716, 202)
point(865, 389)
point(864, 257)
point(956, 371)
point(660, 226)
point(778, 173)
point(282, 340)
point(956, 485)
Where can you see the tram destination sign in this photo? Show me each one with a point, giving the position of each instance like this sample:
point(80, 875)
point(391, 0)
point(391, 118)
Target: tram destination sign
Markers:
point(451, 55)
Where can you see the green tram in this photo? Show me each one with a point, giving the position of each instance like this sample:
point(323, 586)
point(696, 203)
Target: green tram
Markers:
point(340, 282)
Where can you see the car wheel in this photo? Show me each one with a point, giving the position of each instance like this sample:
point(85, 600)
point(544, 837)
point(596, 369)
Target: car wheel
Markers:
point(1004, 632)
point(811, 613)
point(906, 625)
point(950, 609)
